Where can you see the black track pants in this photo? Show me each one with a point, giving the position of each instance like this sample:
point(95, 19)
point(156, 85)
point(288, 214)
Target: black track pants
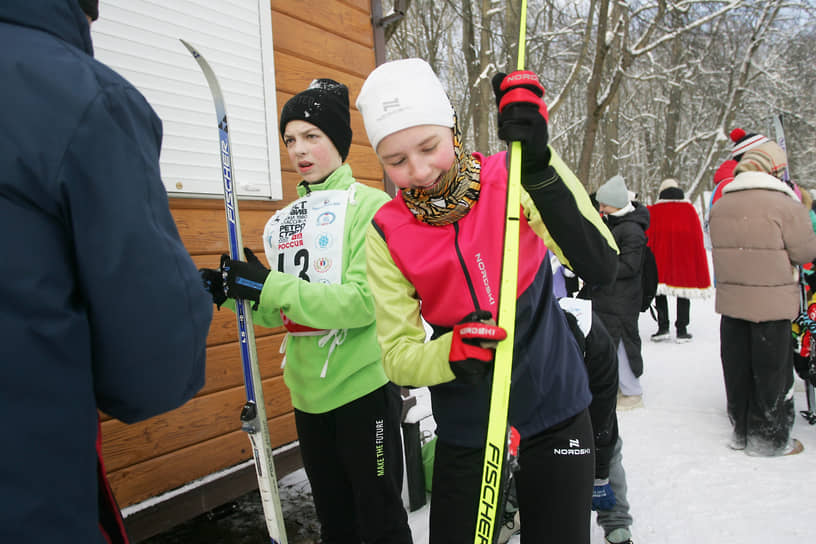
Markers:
point(353, 458)
point(553, 486)
point(757, 362)
point(682, 317)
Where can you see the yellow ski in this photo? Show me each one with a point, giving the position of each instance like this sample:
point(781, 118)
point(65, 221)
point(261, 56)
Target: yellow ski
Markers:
point(497, 429)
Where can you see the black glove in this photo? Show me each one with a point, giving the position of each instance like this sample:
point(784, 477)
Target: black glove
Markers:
point(523, 117)
point(253, 259)
point(244, 279)
point(473, 346)
point(214, 285)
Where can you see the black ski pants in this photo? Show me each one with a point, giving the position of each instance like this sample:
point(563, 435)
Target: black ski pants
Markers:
point(553, 486)
point(601, 358)
point(757, 362)
point(353, 459)
point(682, 318)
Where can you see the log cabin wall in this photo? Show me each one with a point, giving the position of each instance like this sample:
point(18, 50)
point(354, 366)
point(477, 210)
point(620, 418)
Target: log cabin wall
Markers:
point(312, 39)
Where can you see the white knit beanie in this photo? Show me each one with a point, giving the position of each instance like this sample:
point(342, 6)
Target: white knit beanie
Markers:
point(613, 193)
point(667, 183)
point(401, 94)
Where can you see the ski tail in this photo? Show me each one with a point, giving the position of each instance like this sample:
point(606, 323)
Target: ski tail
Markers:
point(253, 415)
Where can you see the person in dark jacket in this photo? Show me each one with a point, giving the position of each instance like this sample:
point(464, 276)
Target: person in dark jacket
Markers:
point(600, 356)
point(618, 305)
point(102, 307)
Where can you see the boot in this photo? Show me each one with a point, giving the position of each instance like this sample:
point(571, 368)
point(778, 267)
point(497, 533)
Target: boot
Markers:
point(619, 536)
point(510, 527)
point(683, 335)
point(794, 447)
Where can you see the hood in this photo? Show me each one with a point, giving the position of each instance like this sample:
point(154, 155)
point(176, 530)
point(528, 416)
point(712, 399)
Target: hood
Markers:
point(639, 215)
point(62, 18)
point(746, 181)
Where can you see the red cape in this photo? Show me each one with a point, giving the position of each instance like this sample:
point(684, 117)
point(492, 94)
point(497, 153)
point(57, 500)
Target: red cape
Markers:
point(676, 239)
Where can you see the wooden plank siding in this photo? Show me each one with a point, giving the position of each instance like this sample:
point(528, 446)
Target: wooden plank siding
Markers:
point(326, 38)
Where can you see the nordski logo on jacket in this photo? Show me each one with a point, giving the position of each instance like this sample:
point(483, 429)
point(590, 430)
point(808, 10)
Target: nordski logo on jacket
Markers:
point(485, 280)
point(573, 449)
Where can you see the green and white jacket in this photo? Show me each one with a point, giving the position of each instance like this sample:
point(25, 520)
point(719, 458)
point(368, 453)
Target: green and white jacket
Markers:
point(341, 361)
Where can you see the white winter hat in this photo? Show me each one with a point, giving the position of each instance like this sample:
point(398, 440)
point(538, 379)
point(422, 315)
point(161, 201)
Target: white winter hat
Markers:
point(668, 183)
point(613, 193)
point(402, 94)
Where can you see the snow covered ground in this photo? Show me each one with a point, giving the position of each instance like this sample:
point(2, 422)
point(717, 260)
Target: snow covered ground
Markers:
point(685, 484)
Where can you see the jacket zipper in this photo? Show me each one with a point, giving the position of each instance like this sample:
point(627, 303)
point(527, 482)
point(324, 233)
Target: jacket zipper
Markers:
point(464, 268)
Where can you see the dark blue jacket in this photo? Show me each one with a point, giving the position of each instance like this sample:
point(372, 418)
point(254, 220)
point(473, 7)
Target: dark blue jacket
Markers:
point(101, 306)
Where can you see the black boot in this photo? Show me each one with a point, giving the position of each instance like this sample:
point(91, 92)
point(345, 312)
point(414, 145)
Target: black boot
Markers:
point(683, 335)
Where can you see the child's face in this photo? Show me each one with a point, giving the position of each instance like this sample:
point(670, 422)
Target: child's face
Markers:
point(311, 152)
point(606, 209)
point(417, 157)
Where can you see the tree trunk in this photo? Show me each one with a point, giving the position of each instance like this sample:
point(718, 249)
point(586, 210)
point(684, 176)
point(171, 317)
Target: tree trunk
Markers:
point(482, 114)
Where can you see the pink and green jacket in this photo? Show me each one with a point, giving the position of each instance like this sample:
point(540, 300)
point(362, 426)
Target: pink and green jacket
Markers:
point(440, 274)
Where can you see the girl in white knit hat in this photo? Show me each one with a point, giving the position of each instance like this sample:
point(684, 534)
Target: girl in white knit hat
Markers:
point(435, 252)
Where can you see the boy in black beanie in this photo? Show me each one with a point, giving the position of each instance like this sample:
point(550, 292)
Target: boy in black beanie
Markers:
point(325, 104)
point(347, 413)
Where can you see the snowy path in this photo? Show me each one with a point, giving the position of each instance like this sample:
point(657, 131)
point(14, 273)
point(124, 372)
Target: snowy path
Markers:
point(685, 485)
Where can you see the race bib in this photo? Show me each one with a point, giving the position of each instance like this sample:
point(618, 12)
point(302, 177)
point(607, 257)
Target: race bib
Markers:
point(305, 240)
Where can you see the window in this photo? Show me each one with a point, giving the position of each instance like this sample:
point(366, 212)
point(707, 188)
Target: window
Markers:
point(140, 40)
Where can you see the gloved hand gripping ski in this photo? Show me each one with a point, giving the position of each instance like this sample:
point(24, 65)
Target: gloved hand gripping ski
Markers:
point(214, 285)
point(235, 279)
point(473, 346)
point(244, 279)
point(523, 117)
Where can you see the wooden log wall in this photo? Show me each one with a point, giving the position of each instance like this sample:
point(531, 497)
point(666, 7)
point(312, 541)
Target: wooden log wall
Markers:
point(312, 39)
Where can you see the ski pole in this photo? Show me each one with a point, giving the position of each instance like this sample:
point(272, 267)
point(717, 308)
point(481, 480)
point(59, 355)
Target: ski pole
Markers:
point(253, 414)
point(497, 429)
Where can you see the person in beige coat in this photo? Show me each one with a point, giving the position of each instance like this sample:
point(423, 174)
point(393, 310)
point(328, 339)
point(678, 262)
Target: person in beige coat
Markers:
point(759, 232)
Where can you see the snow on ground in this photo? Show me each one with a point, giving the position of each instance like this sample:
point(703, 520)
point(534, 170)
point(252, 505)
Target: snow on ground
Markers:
point(685, 484)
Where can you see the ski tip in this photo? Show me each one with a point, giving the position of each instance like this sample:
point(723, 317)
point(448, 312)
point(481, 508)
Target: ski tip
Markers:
point(190, 48)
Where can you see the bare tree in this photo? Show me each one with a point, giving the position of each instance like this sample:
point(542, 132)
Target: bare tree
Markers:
point(647, 89)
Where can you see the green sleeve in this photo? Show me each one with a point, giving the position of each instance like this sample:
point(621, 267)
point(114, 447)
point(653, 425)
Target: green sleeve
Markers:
point(340, 306)
point(265, 317)
point(408, 359)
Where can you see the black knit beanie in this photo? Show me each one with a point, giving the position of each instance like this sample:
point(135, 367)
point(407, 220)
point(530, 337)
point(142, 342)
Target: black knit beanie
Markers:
point(325, 104)
point(91, 8)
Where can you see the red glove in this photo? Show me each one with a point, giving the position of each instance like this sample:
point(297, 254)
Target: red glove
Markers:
point(523, 117)
point(473, 346)
point(518, 87)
